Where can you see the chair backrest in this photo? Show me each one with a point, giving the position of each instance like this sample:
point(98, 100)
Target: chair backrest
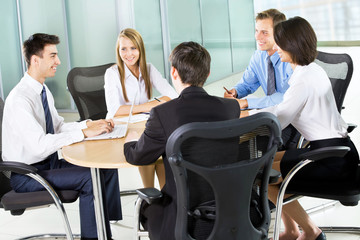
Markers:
point(1, 118)
point(339, 68)
point(4, 176)
point(215, 165)
point(86, 85)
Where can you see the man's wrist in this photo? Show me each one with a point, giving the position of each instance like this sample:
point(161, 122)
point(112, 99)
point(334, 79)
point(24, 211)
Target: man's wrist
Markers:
point(88, 121)
point(83, 131)
point(243, 103)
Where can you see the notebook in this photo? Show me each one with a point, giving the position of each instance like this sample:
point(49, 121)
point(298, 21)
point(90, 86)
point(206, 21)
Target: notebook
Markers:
point(119, 130)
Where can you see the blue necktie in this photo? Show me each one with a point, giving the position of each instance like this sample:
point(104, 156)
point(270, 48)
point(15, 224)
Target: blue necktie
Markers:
point(49, 126)
point(271, 78)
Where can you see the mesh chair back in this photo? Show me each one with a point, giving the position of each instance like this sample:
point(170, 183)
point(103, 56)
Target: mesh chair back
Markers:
point(1, 117)
point(86, 85)
point(4, 176)
point(215, 165)
point(339, 68)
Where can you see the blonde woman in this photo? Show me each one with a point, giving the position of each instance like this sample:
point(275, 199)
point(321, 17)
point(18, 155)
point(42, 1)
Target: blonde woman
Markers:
point(132, 79)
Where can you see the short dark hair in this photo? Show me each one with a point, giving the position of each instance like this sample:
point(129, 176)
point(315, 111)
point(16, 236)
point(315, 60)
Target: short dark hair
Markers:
point(192, 61)
point(297, 37)
point(35, 44)
point(272, 13)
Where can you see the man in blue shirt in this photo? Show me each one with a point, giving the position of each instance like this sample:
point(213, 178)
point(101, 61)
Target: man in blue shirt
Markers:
point(264, 61)
point(256, 74)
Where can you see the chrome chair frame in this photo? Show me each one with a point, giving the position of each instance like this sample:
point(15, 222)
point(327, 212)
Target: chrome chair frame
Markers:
point(30, 171)
point(312, 156)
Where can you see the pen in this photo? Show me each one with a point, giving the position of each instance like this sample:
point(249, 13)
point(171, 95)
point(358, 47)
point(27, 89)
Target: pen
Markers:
point(157, 99)
point(227, 91)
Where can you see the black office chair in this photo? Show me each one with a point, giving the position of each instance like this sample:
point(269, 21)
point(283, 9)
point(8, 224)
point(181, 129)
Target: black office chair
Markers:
point(86, 85)
point(215, 166)
point(17, 203)
point(339, 68)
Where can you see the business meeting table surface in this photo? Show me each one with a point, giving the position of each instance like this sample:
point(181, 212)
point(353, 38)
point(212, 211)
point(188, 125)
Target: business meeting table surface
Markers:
point(96, 154)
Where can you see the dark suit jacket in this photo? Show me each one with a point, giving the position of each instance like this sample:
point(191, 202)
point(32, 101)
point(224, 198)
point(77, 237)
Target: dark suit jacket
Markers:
point(193, 105)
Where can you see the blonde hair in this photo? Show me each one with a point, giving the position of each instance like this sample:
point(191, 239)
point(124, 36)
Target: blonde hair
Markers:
point(136, 39)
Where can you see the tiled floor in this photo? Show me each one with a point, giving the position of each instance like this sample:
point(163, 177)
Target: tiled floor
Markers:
point(47, 220)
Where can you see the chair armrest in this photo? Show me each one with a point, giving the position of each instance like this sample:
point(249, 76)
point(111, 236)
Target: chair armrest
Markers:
point(325, 152)
point(351, 127)
point(17, 167)
point(150, 195)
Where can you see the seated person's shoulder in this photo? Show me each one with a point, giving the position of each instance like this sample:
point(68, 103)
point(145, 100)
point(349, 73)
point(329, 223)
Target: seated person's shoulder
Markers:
point(112, 68)
point(112, 73)
point(258, 54)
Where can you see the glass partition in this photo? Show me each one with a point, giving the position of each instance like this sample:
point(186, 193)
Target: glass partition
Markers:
point(242, 28)
point(216, 37)
point(184, 22)
point(88, 31)
point(92, 32)
point(10, 52)
point(224, 28)
point(332, 20)
point(47, 16)
point(149, 26)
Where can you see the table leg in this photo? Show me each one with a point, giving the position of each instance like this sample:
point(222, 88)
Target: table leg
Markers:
point(98, 203)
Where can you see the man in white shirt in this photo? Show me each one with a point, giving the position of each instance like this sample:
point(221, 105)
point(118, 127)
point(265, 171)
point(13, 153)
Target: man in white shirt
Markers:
point(33, 131)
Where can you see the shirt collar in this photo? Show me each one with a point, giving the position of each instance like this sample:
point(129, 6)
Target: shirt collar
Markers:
point(275, 58)
point(193, 89)
point(32, 83)
point(128, 73)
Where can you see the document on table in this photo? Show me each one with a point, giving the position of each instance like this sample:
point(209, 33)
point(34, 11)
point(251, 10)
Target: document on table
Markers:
point(134, 118)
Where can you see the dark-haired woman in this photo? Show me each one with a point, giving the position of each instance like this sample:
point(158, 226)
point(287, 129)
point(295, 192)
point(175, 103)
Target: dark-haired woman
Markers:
point(309, 105)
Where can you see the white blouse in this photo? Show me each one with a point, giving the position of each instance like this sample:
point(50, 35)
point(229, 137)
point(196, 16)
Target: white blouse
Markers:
point(134, 87)
point(309, 105)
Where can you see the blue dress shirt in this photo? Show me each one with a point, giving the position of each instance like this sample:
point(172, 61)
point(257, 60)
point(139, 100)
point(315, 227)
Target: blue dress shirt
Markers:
point(255, 76)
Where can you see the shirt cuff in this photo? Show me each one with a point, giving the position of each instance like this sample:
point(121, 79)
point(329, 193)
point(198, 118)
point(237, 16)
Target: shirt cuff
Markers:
point(254, 111)
point(83, 123)
point(252, 103)
point(77, 136)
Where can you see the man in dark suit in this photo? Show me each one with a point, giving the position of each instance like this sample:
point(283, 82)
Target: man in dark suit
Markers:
point(190, 67)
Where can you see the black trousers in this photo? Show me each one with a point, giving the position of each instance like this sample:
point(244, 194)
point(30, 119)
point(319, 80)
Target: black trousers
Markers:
point(290, 137)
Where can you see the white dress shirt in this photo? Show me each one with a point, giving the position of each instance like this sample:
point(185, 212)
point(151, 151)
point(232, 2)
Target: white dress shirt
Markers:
point(114, 94)
point(24, 135)
point(309, 105)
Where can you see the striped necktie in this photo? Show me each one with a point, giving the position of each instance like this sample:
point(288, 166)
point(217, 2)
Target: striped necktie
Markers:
point(271, 78)
point(49, 126)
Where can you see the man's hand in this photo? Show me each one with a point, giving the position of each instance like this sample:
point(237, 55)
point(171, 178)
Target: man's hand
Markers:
point(244, 113)
point(131, 136)
point(95, 128)
point(230, 93)
point(243, 103)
